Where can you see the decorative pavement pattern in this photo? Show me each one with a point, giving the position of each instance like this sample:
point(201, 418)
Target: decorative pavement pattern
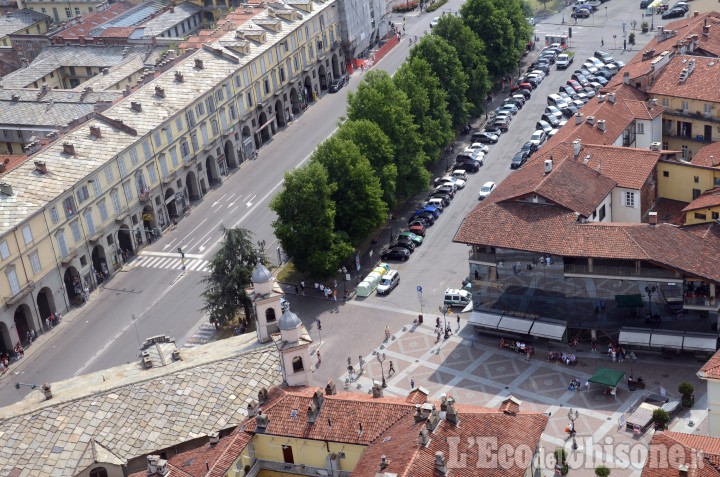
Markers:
point(474, 370)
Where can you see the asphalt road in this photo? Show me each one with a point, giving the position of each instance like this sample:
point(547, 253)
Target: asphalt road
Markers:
point(166, 300)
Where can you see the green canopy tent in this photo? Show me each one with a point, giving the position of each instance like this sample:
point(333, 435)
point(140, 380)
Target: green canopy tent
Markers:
point(607, 377)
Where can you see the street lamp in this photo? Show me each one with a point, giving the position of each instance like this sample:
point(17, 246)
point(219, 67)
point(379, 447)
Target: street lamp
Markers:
point(444, 309)
point(633, 358)
point(381, 359)
point(606, 16)
point(343, 272)
point(134, 320)
point(650, 291)
point(573, 416)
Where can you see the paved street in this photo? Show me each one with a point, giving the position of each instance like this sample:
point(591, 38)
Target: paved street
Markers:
point(165, 300)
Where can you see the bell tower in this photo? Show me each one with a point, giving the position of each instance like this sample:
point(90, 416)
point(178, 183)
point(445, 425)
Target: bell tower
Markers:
point(294, 346)
point(267, 298)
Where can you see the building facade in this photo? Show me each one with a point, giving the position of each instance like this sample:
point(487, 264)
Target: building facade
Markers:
point(95, 194)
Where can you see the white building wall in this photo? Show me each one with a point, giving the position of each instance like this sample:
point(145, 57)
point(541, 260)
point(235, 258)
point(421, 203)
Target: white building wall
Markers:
point(620, 211)
point(713, 387)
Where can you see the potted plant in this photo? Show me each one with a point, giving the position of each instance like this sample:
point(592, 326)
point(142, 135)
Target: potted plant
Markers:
point(660, 418)
point(686, 390)
point(644, 27)
point(631, 38)
point(561, 465)
point(602, 471)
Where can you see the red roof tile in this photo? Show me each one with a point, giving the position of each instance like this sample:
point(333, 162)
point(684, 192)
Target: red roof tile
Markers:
point(669, 450)
point(118, 32)
point(92, 21)
point(708, 156)
point(230, 22)
point(11, 161)
point(710, 198)
point(711, 369)
point(669, 211)
point(701, 83)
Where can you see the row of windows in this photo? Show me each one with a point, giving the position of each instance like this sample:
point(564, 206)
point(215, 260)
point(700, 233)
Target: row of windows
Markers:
point(685, 106)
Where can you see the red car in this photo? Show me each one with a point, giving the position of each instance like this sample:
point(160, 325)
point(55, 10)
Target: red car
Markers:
point(575, 85)
point(417, 227)
point(526, 85)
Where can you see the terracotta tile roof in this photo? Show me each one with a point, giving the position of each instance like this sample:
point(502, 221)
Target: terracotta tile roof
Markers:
point(11, 161)
point(643, 110)
point(555, 230)
point(710, 198)
point(669, 211)
point(708, 156)
point(230, 22)
point(709, 231)
point(669, 450)
point(117, 32)
point(92, 21)
point(417, 396)
point(711, 369)
point(701, 84)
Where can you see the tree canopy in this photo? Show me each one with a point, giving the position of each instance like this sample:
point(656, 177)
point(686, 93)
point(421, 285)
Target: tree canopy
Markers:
point(497, 32)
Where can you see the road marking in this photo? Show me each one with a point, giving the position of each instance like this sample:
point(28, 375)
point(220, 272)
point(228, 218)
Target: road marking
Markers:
point(249, 202)
point(170, 244)
point(168, 254)
point(231, 204)
point(383, 307)
point(127, 327)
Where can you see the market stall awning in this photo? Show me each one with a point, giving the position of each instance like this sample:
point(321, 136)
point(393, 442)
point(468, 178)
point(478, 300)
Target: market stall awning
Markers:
point(634, 336)
point(629, 301)
point(489, 321)
point(554, 330)
point(607, 377)
point(515, 325)
point(661, 340)
point(700, 342)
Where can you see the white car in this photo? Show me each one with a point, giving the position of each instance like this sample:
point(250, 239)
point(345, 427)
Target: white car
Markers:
point(477, 147)
point(554, 111)
point(454, 180)
point(486, 189)
point(434, 22)
point(538, 137)
point(590, 67)
point(460, 174)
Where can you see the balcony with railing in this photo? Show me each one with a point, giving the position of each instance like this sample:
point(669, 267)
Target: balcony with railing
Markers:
point(616, 268)
point(698, 295)
point(686, 113)
point(22, 293)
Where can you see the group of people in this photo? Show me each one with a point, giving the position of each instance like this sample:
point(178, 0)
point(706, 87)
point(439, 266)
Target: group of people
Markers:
point(574, 385)
point(52, 320)
point(568, 359)
point(616, 352)
point(519, 347)
point(18, 352)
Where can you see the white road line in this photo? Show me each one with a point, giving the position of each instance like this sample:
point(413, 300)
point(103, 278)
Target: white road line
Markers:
point(194, 265)
point(168, 254)
point(150, 263)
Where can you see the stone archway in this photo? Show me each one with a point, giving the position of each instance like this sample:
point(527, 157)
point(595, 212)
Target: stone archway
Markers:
point(100, 262)
point(125, 240)
point(45, 303)
point(211, 167)
point(280, 114)
point(23, 322)
point(308, 90)
point(322, 76)
point(264, 131)
point(6, 341)
point(247, 147)
point(192, 186)
point(73, 285)
point(148, 217)
point(171, 203)
point(230, 156)
point(295, 101)
point(335, 62)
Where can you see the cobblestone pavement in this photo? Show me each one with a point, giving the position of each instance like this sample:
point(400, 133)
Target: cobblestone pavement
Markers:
point(474, 370)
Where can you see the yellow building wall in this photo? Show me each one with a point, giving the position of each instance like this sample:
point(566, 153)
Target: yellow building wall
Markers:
point(676, 181)
point(15, 148)
point(691, 219)
point(696, 116)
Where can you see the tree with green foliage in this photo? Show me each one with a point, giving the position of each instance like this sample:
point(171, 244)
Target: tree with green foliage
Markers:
point(428, 104)
point(496, 31)
point(377, 99)
point(523, 31)
point(472, 55)
point(602, 471)
point(377, 148)
point(231, 269)
point(661, 418)
point(305, 225)
point(359, 207)
point(445, 64)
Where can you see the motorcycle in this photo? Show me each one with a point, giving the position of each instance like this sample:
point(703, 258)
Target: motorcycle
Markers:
point(634, 384)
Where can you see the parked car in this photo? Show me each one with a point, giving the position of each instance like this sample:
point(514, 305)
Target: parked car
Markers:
point(502, 124)
point(484, 137)
point(518, 160)
point(446, 189)
point(469, 166)
point(529, 148)
point(554, 111)
point(493, 130)
point(602, 80)
point(604, 56)
point(417, 240)
point(486, 189)
point(434, 22)
point(477, 147)
point(396, 253)
point(543, 126)
point(550, 119)
point(337, 84)
point(538, 137)
point(566, 88)
point(388, 281)
point(619, 64)
point(442, 196)
point(574, 85)
point(589, 91)
point(591, 68)
point(511, 107)
point(610, 67)
point(418, 228)
point(580, 79)
point(459, 183)
point(460, 174)
point(404, 243)
point(430, 208)
point(569, 110)
point(581, 13)
point(596, 62)
point(674, 13)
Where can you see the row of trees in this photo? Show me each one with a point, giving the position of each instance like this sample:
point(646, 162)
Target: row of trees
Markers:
point(396, 127)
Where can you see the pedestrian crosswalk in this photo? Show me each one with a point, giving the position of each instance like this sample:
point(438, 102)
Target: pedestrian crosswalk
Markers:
point(171, 263)
point(205, 334)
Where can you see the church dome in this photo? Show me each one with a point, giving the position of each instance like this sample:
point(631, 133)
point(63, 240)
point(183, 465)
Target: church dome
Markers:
point(261, 274)
point(289, 321)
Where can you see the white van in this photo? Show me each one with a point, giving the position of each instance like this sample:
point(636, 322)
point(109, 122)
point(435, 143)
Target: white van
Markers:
point(456, 297)
point(388, 282)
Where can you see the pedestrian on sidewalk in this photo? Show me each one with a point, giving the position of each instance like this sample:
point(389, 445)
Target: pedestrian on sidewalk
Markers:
point(392, 368)
point(297, 290)
point(334, 295)
point(602, 41)
point(86, 293)
point(387, 332)
point(412, 384)
point(437, 322)
point(302, 287)
point(458, 321)
point(318, 357)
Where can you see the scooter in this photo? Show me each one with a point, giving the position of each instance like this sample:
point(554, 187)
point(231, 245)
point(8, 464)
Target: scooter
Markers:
point(634, 384)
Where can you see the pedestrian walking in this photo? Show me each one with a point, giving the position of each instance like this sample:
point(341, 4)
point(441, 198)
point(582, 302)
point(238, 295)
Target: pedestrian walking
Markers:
point(318, 357)
point(477, 275)
point(334, 295)
point(86, 293)
point(302, 287)
point(412, 383)
point(392, 368)
point(297, 290)
point(624, 45)
point(387, 332)
point(437, 322)
point(47, 324)
point(602, 41)
point(458, 321)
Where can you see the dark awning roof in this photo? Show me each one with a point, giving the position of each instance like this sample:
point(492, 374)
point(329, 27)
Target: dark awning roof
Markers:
point(607, 377)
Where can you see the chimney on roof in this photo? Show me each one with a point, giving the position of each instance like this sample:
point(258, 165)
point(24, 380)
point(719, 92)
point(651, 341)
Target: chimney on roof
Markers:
point(198, 64)
point(586, 161)
point(6, 189)
point(106, 71)
point(510, 406)
point(440, 464)
point(136, 106)
point(318, 399)
point(261, 421)
point(590, 120)
point(311, 413)
point(683, 469)
point(41, 167)
point(548, 166)
point(127, 91)
point(383, 462)
point(252, 408)
point(576, 148)
point(706, 30)
point(214, 438)
point(578, 118)
point(432, 421)
point(652, 218)
point(655, 146)
point(601, 124)
point(712, 161)
point(15, 97)
point(330, 389)
point(443, 402)
point(159, 91)
point(451, 415)
point(424, 437)
point(418, 413)
point(611, 98)
point(95, 131)
point(68, 149)
point(262, 396)
point(157, 465)
point(696, 13)
point(179, 77)
point(653, 103)
point(626, 77)
point(377, 390)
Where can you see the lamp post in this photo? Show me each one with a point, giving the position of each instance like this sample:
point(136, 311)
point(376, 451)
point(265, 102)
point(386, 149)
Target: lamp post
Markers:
point(444, 309)
point(633, 358)
point(615, 42)
point(343, 271)
point(573, 416)
point(134, 319)
point(650, 291)
point(381, 359)
point(606, 15)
